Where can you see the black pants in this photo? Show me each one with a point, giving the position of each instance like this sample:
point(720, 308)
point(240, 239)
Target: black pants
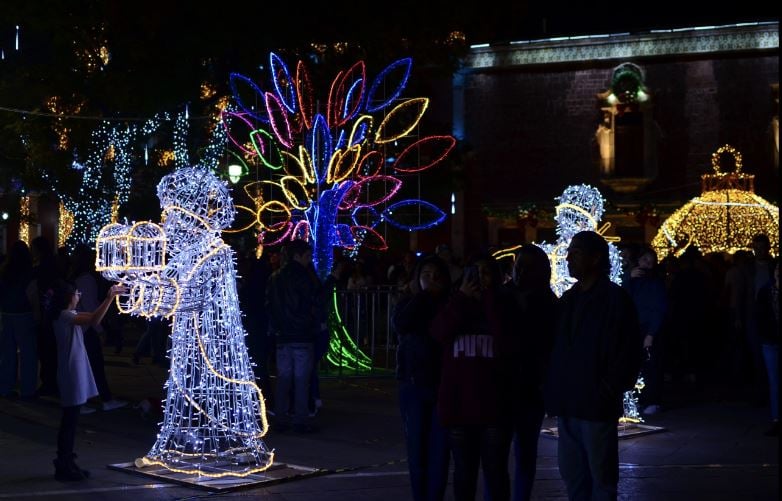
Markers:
point(474, 446)
point(66, 436)
point(95, 353)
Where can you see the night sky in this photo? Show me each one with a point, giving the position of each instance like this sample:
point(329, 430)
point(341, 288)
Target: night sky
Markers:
point(162, 50)
point(170, 26)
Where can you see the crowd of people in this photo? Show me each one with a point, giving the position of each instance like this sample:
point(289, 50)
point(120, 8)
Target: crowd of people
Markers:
point(483, 359)
point(484, 350)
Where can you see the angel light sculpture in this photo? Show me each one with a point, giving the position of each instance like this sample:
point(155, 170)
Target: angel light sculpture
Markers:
point(214, 416)
point(580, 209)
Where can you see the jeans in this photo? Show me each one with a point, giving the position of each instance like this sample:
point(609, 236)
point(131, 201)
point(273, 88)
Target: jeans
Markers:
point(294, 366)
point(588, 453)
point(18, 332)
point(480, 445)
point(771, 357)
point(320, 349)
point(756, 347)
point(426, 440)
point(528, 417)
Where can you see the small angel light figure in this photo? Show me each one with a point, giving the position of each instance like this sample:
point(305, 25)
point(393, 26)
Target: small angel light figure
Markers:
point(580, 209)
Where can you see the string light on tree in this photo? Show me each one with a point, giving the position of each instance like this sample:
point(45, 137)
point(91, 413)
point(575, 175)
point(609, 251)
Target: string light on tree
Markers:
point(24, 219)
point(64, 226)
point(214, 414)
point(106, 173)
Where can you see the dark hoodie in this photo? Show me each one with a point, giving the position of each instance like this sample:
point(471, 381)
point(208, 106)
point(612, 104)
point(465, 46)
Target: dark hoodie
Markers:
point(597, 353)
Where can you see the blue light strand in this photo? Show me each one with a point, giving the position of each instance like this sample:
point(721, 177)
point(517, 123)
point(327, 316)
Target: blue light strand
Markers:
point(278, 69)
point(378, 84)
point(387, 214)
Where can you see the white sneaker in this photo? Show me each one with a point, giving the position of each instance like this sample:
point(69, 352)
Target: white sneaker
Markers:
point(114, 404)
point(86, 409)
point(651, 409)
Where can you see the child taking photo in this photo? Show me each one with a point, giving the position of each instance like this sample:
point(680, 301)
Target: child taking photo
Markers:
point(74, 375)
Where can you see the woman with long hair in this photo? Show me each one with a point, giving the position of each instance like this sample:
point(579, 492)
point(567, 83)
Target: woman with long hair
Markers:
point(473, 399)
point(418, 371)
point(533, 333)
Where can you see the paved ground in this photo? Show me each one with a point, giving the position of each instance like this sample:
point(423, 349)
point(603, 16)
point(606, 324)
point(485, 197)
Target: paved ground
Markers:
point(713, 449)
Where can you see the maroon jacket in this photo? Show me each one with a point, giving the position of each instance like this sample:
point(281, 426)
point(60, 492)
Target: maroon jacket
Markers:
point(474, 379)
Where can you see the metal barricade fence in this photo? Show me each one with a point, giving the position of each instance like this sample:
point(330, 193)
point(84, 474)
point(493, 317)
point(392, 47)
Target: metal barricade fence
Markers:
point(366, 317)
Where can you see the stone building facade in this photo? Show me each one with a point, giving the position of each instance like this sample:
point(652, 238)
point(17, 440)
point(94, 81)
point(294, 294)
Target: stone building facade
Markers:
point(528, 114)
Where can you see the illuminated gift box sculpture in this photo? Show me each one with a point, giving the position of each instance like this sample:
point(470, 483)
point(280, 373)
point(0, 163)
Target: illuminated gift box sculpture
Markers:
point(214, 416)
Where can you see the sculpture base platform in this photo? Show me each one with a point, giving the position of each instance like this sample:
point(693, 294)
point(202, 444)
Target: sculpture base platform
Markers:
point(277, 473)
point(624, 430)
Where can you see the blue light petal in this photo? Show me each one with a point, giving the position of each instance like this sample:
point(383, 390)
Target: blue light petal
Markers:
point(387, 214)
point(278, 66)
point(379, 84)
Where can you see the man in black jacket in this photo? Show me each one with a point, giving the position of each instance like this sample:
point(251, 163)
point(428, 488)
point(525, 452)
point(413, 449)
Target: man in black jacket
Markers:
point(293, 308)
point(596, 358)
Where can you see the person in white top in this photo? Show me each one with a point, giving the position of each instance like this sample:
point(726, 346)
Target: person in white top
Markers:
point(74, 375)
point(85, 279)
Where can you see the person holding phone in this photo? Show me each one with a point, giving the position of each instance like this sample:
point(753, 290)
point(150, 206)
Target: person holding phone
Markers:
point(473, 399)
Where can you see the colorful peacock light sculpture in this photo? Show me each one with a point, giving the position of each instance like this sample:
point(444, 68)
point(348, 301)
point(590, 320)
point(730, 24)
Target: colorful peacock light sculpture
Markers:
point(333, 173)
